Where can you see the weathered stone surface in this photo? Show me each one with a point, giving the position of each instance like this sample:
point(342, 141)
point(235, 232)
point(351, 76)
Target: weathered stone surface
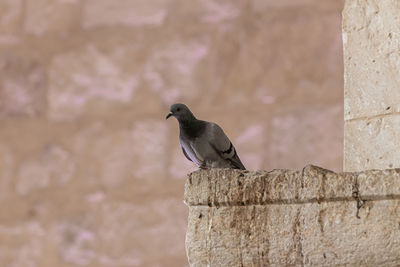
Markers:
point(126, 12)
point(6, 170)
point(22, 86)
point(51, 16)
point(76, 78)
point(21, 244)
point(304, 134)
point(371, 39)
point(372, 143)
point(173, 67)
point(55, 165)
point(312, 217)
point(10, 20)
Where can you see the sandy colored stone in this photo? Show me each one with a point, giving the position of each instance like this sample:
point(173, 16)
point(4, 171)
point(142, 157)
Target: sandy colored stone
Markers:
point(54, 166)
point(304, 134)
point(309, 217)
point(127, 13)
point(51, 16)
point(6, 169)
point(372, 184)
point(10, 14)
point(372, 143)
point(76, 78)
point(21, 244)
point(22, 86)
point(371, 41)
point(171, 69)
point(251, 141)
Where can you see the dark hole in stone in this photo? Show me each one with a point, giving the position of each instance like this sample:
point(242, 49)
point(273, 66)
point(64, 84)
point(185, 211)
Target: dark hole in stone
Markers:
point(200, 216)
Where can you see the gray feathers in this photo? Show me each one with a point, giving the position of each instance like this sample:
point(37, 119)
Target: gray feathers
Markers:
point(204, 143)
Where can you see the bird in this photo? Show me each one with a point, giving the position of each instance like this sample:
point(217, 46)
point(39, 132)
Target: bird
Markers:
point(203, 142)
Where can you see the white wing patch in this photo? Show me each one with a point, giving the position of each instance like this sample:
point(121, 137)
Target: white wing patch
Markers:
point(190, 152)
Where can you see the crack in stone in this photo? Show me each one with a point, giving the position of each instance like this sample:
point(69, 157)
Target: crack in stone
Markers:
point(297, 237)
point(357, 197)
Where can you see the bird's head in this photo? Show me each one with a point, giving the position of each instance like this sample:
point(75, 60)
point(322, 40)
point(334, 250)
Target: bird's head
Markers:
point(181, 112)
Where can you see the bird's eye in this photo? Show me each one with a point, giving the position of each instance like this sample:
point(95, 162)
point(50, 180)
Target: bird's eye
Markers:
point(178, 109)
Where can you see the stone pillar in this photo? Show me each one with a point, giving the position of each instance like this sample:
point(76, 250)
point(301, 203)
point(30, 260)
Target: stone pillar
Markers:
point(312, 217)
point(371, 40)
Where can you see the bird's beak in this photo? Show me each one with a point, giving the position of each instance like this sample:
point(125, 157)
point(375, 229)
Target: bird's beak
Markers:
point(168, 115)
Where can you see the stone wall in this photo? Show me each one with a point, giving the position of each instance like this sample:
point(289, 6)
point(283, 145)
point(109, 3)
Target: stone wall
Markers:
point(371, 38)
point(312, 217)
point(91, 174)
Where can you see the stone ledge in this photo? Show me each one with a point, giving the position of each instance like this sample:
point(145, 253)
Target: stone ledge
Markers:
point(225, 187)
point(283, 217)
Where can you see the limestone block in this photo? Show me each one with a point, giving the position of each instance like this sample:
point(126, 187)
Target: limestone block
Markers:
point(126, 12)
point(55, 16)
point(125, 228)
point(7, 160)
point(21, 244)
point(375, 184)
point(371, 39)
point(92, 232)
point(372, 143)
point(312, 217)
point(136, 151)
point(326, 5)
point(22, 86)
point(53, 166)
point(250, 143)
point(302, 134)
point(10, 17)
point(79, 77)
point(210, 11)
point(172, 67)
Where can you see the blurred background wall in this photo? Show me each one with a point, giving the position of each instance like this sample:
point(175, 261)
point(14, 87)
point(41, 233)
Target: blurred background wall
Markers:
point(91, 174)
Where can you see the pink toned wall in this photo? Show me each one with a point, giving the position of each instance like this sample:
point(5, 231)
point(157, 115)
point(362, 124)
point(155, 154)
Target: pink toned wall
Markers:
point(91, 174)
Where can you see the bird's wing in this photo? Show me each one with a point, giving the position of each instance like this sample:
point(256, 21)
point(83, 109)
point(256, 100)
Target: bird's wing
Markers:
point(186, 155)
point(221, 143)
point(188, 151)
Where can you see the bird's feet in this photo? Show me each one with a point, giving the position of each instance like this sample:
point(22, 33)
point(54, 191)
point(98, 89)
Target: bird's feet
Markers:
point(203, 167)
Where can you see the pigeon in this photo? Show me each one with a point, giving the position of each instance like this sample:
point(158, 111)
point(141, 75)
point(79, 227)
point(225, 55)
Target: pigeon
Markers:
point(203, 142)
